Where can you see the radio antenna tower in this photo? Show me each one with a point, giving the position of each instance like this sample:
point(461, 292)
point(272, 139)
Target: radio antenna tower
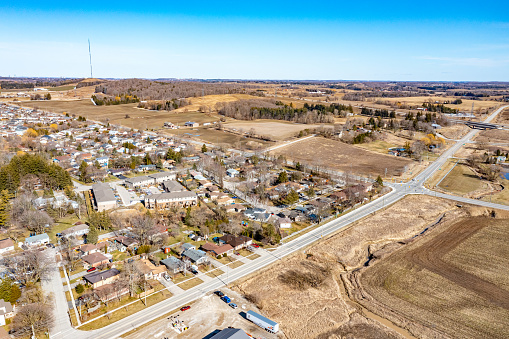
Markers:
point(90, 57)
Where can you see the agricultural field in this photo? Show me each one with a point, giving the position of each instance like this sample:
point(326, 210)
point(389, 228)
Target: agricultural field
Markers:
point(278, 130)
point(305, 293)
point(137, 118)
point(451, 282)
point(217, 137)
point(465, 106)
point(343, 157)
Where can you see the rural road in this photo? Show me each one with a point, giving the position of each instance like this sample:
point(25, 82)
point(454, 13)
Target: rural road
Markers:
point(415, 186)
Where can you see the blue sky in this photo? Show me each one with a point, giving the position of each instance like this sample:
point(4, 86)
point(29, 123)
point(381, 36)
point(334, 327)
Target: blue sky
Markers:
point(395, 40)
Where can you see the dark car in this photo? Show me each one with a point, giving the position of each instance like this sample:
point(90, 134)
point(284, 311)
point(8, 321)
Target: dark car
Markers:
point(219, 293)
point(91, 269)
point(185, 308)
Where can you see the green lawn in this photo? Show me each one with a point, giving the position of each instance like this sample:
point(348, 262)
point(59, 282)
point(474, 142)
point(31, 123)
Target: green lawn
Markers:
point(61, 225)
point(118, 256)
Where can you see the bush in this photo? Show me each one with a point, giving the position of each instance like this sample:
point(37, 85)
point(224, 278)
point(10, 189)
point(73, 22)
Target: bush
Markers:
point(143, 249)
point(79, 288)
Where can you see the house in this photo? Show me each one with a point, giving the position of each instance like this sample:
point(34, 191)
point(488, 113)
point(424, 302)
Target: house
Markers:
point(338, 196)
point(284, 223)
point(76, 231)
point(191, 124)
point(196, 256)
point(167, 200)
point(88, 249)
point(108, 292)
point(103, 197)
point(187, 246)
point(6, 245)
point(103, 161)
point(95, 259)
point(173, 186)
point(6, 311)
point(232, 172)
point(217, 250)
point(100, 278)
point(123, 243)
point(138, 182)
point(149, 270)
point(37, 240)
point(174, 265)
point(162, 176)
point(237, 242)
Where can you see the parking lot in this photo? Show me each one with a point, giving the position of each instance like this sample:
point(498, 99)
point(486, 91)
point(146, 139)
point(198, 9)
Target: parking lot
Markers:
point(207, 315)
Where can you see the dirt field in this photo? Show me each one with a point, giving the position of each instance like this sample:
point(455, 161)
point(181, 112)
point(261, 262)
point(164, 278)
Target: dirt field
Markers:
point(206, 316)
point(450, 282)
point(319, 308)
point(279, 130)
point(344, 157)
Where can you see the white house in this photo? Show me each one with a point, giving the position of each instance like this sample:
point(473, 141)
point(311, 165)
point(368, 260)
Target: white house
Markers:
point(36, 240)
point(6, 311)
point(284, 223)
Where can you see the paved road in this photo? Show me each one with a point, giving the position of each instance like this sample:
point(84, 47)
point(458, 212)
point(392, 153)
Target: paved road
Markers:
point(398, 191)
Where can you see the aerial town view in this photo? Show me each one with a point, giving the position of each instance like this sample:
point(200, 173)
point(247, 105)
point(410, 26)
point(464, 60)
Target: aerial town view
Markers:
point(258, 170)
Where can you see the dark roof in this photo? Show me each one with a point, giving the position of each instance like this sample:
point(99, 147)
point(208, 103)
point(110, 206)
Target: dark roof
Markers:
point(172, 263)
point(98, 276)
point(233, 240)
point(231, 333)
point(94, 258)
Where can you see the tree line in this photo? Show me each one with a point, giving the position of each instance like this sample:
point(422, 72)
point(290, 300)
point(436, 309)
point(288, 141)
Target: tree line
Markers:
point(50, 175)
point(117, 100)
point(167, 105)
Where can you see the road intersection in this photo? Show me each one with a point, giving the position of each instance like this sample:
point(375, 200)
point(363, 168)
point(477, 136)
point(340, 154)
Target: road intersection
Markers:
point(398, 191)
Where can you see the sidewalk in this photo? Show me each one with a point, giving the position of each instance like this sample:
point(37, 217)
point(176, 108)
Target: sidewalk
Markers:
point(174, 289)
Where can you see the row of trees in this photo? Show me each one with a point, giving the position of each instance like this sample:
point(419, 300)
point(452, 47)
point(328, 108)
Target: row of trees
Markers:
point(168, 105)
point(117, 100)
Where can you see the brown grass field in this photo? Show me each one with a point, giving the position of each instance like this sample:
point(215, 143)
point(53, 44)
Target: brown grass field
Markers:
point(466, 104)
point(452, 282)
point(138, 118)
point(462, 180)
point(279, 130)
point(344, 157)
point(319, 308)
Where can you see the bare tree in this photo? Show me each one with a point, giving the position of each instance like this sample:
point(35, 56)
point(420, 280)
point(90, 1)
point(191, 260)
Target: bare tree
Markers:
point(32, 318)
point(143, 227)
point(29, 266)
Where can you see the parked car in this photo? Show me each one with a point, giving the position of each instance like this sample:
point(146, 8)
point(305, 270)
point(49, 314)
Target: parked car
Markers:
point(91, 269)
point(255, 245)
point(167, 277)
point(185, 308)
point(219, 293)
point(232, 305)
point(226, 299)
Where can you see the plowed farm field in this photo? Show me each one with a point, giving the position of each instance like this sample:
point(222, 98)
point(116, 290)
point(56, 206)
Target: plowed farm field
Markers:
point(454, 282)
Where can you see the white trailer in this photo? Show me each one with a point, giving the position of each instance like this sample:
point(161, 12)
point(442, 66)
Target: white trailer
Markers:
point(263, 322)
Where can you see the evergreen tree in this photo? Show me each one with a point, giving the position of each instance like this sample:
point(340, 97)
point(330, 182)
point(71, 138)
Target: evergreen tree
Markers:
point(291, 198)
point(204, 148)
point(283, 177)
point(379, 181)
point(92, 236)
point(4, 208)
